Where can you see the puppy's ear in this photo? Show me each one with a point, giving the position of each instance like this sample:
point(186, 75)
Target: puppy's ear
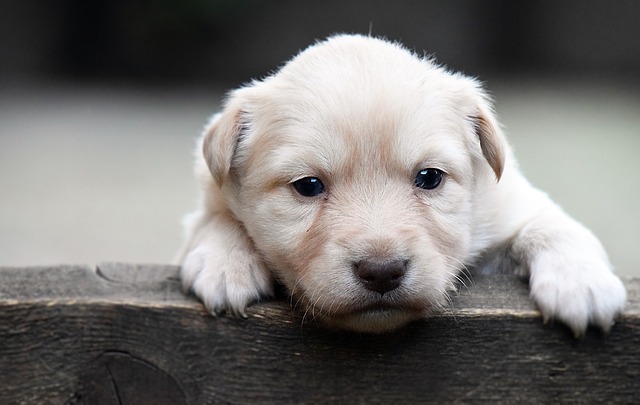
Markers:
point(492, 141)
point(221, 137)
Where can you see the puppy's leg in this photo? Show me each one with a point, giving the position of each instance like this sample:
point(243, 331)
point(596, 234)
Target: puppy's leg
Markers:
point(221, 266)
point(570, 275)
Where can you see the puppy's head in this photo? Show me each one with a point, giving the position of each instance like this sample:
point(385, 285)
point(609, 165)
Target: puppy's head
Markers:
point(354, 171)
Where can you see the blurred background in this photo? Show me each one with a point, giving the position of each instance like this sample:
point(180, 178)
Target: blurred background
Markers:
point(101, 102)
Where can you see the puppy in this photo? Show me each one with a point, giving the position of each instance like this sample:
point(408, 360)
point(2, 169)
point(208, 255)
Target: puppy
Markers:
point(364, 179)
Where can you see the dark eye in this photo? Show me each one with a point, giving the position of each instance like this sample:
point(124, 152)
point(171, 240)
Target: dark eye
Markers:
point(309, 186)
point(429, 179)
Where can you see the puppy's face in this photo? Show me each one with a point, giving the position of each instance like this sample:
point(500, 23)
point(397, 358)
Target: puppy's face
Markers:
point(354, 171)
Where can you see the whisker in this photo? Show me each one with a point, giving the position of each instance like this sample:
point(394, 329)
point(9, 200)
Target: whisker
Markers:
point(450, 308)
point(462, 274)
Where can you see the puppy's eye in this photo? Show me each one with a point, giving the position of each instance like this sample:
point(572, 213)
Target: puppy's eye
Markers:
point(429, 179)
point(309, 186)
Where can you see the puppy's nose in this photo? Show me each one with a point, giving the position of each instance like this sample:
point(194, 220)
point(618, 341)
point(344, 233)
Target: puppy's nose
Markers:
point(379, 275)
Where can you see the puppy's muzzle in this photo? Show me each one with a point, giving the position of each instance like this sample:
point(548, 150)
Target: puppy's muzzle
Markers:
point(380, 275)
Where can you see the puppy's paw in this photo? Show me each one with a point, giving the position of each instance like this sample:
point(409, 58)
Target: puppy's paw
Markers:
point(225, 280)
point(577, 289)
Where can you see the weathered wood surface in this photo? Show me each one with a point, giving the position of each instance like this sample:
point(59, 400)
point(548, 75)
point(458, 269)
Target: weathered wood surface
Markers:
point(123, 334)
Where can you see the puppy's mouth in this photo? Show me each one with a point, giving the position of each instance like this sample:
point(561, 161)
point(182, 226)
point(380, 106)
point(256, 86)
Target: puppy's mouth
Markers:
point(383, 309)
point(376, 318)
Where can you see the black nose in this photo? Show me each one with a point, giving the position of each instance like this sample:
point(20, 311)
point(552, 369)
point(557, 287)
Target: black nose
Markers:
point(380, 275)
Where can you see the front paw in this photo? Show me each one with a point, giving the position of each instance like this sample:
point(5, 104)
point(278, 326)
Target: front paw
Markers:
point(577, 290)
point(225, 280)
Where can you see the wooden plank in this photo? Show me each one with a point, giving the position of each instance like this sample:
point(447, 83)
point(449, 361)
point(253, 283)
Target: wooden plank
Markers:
point(126, 334)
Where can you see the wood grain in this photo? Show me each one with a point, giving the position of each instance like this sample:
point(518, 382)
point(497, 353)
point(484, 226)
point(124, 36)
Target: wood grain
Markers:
point(126, 334)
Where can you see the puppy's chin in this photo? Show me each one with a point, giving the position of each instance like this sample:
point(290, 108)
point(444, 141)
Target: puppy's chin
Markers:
point(374, 320)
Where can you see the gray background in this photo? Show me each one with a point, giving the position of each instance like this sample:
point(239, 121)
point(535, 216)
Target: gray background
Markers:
point(101, 101)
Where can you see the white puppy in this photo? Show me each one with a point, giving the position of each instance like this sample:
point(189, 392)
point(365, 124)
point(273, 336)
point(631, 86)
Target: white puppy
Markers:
point(364, 179)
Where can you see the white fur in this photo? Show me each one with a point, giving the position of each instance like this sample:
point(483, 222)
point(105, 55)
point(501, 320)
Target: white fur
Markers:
point(365, 116)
